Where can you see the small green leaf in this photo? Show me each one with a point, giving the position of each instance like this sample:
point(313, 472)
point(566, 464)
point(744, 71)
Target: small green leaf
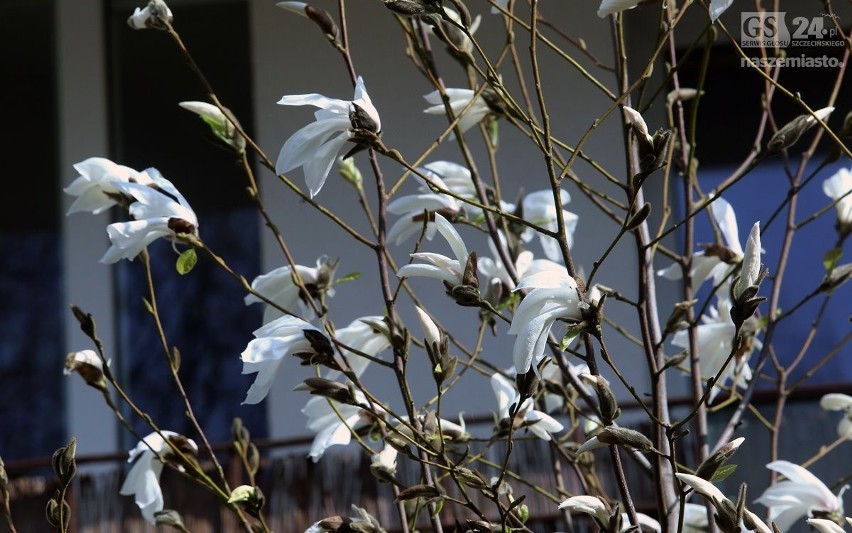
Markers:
point(186, 261)
point(493, 131)
point(348, 277)
point(569, 337)
point(831, 258)
point(723, 472)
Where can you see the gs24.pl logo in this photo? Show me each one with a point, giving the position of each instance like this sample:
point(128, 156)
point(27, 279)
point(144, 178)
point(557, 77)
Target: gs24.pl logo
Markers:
point(770, 29)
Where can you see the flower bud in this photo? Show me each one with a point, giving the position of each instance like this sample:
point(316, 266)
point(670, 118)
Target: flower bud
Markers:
point(790, 133)
point(350, 172)
point(156, 15)
point(58, 513)
point(383, 464)
point(433, 336)
point(335, 390)
point(169, 517)
point(625, 437)
point(224, 125)
point(606, 399)
point(711, 465)
point(88, 364)
point(413, 8)
point(251, 498)
point(64, 463)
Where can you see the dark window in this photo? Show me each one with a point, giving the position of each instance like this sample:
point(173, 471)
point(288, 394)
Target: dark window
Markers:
point(31, 352)
point(203, 312)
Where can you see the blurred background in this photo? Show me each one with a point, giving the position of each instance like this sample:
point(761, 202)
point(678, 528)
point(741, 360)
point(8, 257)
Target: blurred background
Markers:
point(78, 83)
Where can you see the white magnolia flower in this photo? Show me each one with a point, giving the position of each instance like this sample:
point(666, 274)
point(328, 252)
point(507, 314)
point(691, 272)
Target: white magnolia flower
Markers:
point(158, 211)
point(597, 509)
point(554, 295)
point(715, 341)
point(313, 148)
point(799, 495)
point(331, 428)
point(143, 479)
point(538, 207)
point(96, 187)
point(459, 100)
point(716, 262)
point(413, 209)
point(823, 525)
point(278, 286)
point(541, 424)
point(369, 335)
point(839, 188)
point(440, 266)
point(154, 15)
point(719, 500)
point(493, 269)
point(274, 341)
point(750, 270)
point(839, 402)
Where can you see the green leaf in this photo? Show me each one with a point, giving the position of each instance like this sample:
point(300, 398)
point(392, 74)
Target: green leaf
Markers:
point(348, 277)
point(493, 131)
point(723, 472)
point(217, 128)
point(569, 337)
point(186, 261)
point(831, 258)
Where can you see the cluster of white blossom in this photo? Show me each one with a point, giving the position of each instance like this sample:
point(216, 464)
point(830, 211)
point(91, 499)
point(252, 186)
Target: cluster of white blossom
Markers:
point(544, 291)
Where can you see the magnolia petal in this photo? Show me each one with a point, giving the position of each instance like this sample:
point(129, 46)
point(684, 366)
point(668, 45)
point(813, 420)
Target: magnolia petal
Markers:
point(303, 145)
point(838, 187)
point(610, 7)
point(542, 424)
point(266, 374)
point(130, 238)
point(505, 392)
point(317, 168)
point(316, 100)
point(703, 487)
point(426, 271)
point(591, 444)
point(453, 238)
point(727, 220)
point(717, 7)
point(406, 227)
point(362, 100)
point(797, 474)
point(417, 203)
